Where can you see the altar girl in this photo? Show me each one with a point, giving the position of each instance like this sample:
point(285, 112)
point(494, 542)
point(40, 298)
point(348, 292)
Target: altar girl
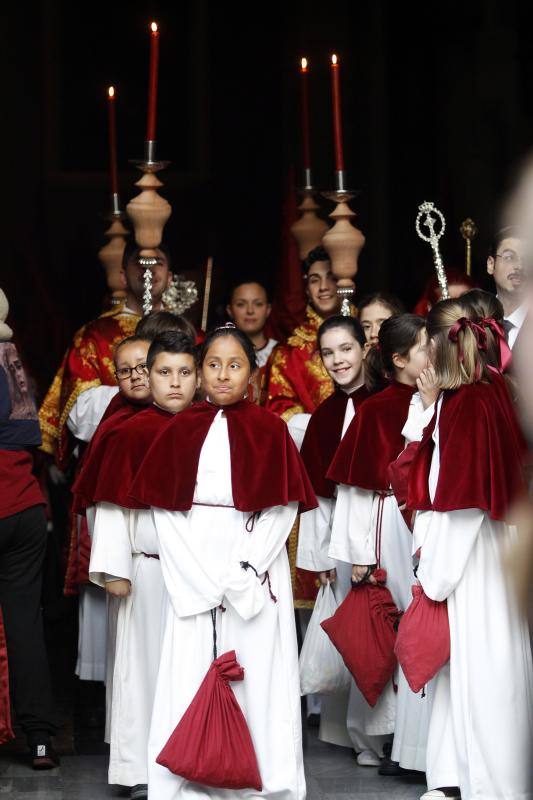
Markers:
point(368, 527)
point(224, 481)
point(463, 481)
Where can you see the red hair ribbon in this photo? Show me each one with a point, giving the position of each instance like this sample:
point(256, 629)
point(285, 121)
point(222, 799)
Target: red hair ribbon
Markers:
point(499, 335)
point(477, 329)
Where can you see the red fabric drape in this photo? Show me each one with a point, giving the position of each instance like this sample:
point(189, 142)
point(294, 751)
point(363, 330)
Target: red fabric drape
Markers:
point(289, 301)
point(6, 731)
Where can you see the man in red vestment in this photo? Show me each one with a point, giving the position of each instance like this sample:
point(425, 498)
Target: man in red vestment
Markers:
point(297, 381)
point(88, 362)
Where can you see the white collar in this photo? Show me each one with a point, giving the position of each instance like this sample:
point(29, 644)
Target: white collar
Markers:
point(518, 316)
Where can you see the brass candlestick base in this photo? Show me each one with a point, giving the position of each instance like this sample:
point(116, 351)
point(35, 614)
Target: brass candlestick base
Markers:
point(309, 229)
point(344, 243)
point(110, 255)
point(149, 212)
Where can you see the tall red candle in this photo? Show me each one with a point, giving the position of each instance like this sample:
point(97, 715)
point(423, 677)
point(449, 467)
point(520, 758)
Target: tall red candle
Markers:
point(337, 117)
point(113, 172)
point(152, 82)
point(304, 102)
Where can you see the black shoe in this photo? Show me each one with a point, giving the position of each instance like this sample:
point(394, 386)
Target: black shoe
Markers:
point(139, 791)
point(392, 768)
point(44, 756)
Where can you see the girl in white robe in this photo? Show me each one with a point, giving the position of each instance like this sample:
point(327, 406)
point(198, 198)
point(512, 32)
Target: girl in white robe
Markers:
point(341, 341)
point(215, 556)
point(366, 509)
point(480, 734)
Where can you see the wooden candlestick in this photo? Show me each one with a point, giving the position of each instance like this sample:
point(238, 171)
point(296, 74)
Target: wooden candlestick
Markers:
point(149, 212)
point(110, 256)
point(343, 243)
point(309, 229)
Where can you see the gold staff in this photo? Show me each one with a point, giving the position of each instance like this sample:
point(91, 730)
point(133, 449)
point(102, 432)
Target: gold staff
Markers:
point(468, 231)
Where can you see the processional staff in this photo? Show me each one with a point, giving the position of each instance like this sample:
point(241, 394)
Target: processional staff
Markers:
point(428, 216)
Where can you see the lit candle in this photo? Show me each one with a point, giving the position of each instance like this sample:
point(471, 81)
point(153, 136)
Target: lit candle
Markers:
point(112, 141)
point(337, 120)
point(306, 146)
point(152, 82)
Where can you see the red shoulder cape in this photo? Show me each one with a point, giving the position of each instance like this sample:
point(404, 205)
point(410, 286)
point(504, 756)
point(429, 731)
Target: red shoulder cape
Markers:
point(108, 467)
point(480, 456)
point(118, 410)
point(373, 439)
point(323, 435)
point(266, 468)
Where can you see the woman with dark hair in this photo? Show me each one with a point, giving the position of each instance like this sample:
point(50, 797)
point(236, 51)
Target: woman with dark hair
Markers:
point(224, 481)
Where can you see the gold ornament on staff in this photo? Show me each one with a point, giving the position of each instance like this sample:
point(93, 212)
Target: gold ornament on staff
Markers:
point(468, 231)
point(427, 210)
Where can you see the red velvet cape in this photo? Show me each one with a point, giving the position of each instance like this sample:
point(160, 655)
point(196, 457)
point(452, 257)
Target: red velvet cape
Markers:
point(323, 435)
point(480, 457)
point(125, 448)
point(373, 439)
point(266, 468)
point(118, 410)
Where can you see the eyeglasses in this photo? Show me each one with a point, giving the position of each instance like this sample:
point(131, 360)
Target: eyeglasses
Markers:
point(127, 372)
point(511, 258)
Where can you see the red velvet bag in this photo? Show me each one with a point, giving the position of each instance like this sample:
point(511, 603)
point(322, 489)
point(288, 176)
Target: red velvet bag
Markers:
point(6, 732)
point(423, 641)
point(363, 631)
point(211, 744)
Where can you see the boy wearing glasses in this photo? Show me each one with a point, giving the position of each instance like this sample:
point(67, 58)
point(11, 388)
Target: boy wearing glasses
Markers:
point(506, 265)
point(124, 555)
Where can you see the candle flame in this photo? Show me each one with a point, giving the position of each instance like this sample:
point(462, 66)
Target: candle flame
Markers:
point(111, 91)
point(304, 64)
point(153, 26)
point(334, 60)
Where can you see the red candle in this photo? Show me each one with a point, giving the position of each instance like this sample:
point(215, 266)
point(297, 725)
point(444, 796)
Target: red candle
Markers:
point(152, 82)
point(112, 140)
point(306, 147)
point(337, 120)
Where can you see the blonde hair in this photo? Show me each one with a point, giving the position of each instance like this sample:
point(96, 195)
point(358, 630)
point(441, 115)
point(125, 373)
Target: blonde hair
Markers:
point(457, 360)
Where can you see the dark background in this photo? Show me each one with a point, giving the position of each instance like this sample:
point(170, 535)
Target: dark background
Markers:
point(436, 104)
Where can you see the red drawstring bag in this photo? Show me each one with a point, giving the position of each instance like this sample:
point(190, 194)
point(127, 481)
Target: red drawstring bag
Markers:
point(363, 628)
point(363, 631)
point(423, 641)
point(6, 732)
point(211, 744)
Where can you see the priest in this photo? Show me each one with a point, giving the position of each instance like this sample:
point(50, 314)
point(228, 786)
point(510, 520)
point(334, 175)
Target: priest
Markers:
point(88, 362)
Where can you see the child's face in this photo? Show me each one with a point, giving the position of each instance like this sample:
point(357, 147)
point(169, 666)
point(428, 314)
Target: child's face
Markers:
point(408, 368)
point(343, 357)
point(226, 371)
point(173, 381)
point(131, 371)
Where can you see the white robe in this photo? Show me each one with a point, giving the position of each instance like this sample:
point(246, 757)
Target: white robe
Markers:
point(353, 540)
point(120, 540)
point(481, 724)
point(82, 421)
point(412, 710)
point(201, 551)
point(342, 716)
